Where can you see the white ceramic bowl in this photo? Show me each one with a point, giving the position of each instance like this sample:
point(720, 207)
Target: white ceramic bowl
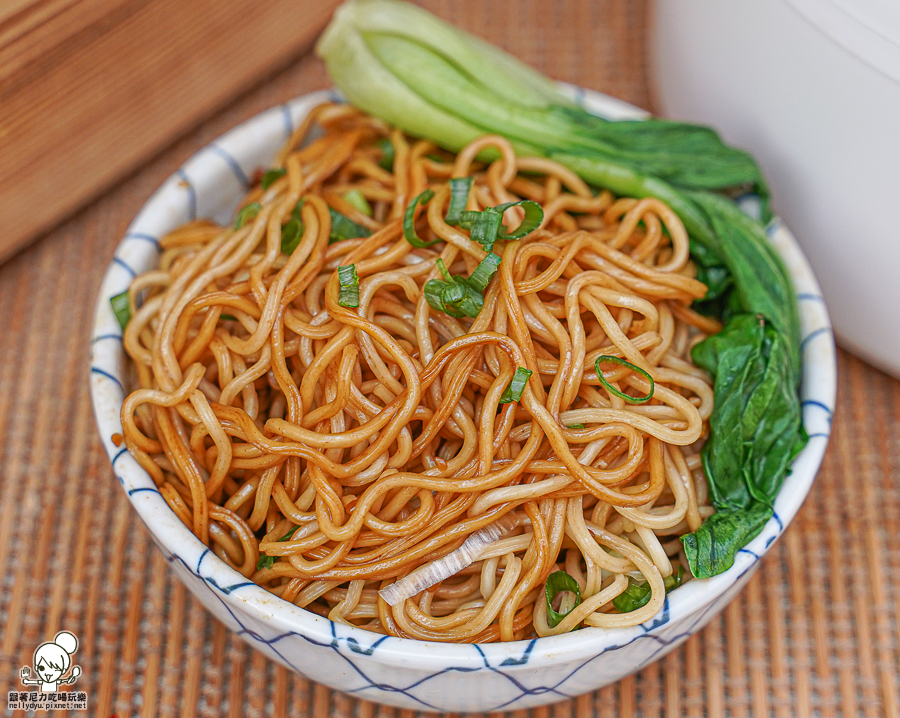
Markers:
point(402, 672)
point(812, 89)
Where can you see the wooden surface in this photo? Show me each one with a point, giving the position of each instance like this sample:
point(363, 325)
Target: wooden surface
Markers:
point(815, 633)
point(90, 89)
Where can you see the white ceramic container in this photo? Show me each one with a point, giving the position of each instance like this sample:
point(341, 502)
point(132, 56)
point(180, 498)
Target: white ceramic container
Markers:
point(812, 89)
point(402, 672)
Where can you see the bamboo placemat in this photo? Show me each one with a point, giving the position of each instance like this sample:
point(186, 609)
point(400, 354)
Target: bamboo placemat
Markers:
point(816, 632)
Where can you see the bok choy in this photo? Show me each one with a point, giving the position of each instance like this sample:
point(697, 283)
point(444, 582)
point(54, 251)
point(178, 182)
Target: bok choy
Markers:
point(400, 63)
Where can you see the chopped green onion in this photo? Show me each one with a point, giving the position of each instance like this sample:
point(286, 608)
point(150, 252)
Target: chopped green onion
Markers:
point(458, 296)
point(638, 593)
point(481, 277)
point(455, 293)
point(534, 215)
point(289, 534)
point(265, 561)
point(675, 579)
point(349, 292)
point(291, 233)
point(455, 297)
point(269, 178)
point(483, 226)
point(342, 227)
point(359, 201)
point(514, 391)
point(121, 306)
point(633, 597)
point(558, 582)
point(409, 220)
point(445, 273)
point(472, 302)
point(486, 226)
point(434, 295)
point(228, 317)
point(246, 214)
point(574, 426)
point(603, 359)
point(459, 197)
point(387, 154)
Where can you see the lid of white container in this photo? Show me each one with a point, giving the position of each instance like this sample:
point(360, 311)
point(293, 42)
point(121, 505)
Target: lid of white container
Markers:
point(869, 29)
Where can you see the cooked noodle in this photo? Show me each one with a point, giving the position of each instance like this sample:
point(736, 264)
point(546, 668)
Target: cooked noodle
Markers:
point(376, 434)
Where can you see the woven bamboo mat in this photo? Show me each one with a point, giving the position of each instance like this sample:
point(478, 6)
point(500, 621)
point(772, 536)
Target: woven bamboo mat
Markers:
point(816, 632)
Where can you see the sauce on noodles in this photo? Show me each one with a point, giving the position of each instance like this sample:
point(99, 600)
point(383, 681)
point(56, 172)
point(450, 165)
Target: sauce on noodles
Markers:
point(326, 452)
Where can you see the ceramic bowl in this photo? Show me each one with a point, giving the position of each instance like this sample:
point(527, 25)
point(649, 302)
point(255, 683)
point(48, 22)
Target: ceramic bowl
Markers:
point(402, 672)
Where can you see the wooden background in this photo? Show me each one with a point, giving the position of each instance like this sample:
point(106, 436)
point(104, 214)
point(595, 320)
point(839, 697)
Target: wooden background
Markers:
point(90, 89)
point(816, 632)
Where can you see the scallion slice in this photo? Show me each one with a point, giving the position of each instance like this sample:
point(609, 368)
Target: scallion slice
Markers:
point(121, 306)
point(289, 534)
point(228, 317)
point(638, 594)
point(358, 200)
point(557, 582)
point(574, 426)
point(349, 280)
point(534, 215)
point(486, 226)
point(291, 233)
point(459, 296)
point(434, 295)
point(483, 226)
point(459, 197)
point(604, 359)
point(472, 301)
point(633, 597)
point(445, 273)
point(342, 227)
point(674, 580)
point(265, 561)
point(486, 269)
point(409, 220)
point(387, 154)
point(513, 392)
point(454, 297)
point(247, 214)
point(270, 177)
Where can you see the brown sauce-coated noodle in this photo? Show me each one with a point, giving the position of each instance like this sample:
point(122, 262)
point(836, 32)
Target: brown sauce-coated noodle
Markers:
point(326, 452)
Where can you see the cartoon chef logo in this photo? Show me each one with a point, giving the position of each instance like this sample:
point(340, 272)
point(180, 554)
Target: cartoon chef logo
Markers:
point(51, 663)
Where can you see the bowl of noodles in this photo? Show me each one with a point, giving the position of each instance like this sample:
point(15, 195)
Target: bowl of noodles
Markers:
point(321, 409)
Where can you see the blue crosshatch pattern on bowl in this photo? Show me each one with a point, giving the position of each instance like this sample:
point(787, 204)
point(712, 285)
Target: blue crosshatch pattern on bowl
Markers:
point(145, 237)
point(405, 689)
point(185, 182)
point(353, 645)
point(122, 263)
point(359, 650)
point(233, 164)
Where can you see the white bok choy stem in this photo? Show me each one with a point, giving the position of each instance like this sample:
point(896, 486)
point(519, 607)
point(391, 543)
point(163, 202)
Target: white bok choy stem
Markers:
point(433, 573)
